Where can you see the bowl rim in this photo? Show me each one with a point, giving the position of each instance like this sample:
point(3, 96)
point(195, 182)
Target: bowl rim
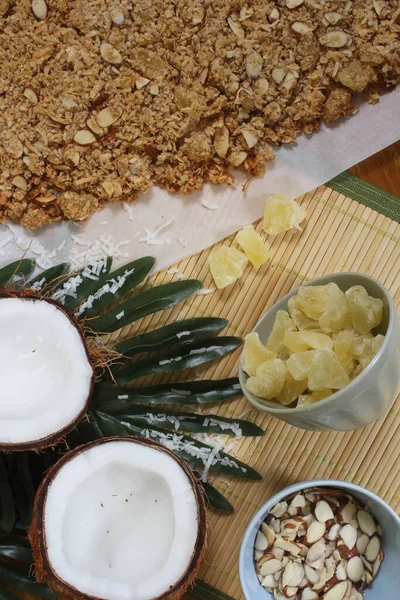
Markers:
point(263, 511)
point(306, 410)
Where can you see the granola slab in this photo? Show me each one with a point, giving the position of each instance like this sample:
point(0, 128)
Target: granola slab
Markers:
point(101, 99)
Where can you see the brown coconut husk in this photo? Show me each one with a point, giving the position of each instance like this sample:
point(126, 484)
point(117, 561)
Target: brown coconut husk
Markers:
point(43, 569)
point(95, 359)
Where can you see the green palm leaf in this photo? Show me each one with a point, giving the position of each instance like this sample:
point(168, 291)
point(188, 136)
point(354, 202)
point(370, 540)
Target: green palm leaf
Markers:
point(17, 270)
point(18, 575)
point(153, 300)
point(17, 547)
point(7, 507)
point(119, 399)
point(175, 334)
point(215, 498)
point(178, 359)
point(110, 289)
point(91, 276)
point(50, 276)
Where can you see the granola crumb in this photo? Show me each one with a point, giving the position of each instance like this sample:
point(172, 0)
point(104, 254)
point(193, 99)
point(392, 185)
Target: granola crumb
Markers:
point(101, 100)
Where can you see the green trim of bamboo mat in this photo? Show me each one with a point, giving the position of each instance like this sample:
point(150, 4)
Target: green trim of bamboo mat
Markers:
point(375, 198)
point(203, 591)
point(366, 193)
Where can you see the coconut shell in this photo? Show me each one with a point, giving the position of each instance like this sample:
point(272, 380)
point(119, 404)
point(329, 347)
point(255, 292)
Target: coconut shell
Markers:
point(43, 568)
point(56, 438)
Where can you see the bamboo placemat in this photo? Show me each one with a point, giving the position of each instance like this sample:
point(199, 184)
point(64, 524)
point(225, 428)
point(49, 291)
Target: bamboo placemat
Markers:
point(340, 234)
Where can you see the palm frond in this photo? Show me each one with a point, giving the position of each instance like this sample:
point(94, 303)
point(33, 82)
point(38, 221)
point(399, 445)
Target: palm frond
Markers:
point(41, 282)
point(16, 271)
point(215, 498)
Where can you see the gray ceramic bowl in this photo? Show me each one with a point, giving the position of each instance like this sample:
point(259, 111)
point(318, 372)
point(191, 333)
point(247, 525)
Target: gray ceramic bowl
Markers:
point(369, 395)
point(385, 586)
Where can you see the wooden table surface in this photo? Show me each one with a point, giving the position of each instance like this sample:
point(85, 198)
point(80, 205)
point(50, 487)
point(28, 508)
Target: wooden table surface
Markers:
point(382, 169)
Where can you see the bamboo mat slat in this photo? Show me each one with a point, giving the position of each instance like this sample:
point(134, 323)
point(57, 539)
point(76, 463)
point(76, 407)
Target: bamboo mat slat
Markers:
point(340, 234)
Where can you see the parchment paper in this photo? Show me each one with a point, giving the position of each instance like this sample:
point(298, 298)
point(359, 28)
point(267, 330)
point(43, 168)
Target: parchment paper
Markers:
point(189, 225)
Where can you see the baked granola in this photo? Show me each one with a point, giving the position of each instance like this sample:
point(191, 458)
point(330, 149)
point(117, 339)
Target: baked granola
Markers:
point(101, 99)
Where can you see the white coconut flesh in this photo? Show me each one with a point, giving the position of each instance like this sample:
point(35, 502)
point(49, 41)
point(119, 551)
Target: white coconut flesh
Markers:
point(120, 522)
point(45, 374)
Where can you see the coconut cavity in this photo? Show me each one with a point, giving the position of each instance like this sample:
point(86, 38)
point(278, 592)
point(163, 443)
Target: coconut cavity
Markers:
point(119, 519)
point(45, 376)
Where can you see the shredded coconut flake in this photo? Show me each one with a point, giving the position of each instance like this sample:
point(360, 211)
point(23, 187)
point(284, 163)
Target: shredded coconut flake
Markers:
point(130, 210)
point(151, 238)
point(205, 291)
point(182, 334)
point(123, 397)
point(209, 205)
point(120, 315)
point(182, 242)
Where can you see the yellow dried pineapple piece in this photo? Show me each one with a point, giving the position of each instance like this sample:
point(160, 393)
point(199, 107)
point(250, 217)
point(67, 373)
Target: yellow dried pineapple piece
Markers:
point(313, 300)
point(252, 245)
point(300, 363)
point(282, 324)
point(366, 311)
point(291, 389)
point(254, 353)
point(298, 341)
point(299, 317)
point(360, 343)
point(337, 314)
point(306, 399)
point(327, 373)
point(281, 214)
point(269, 379)
point(226, 265)
point(344, 341)
point(371, 349)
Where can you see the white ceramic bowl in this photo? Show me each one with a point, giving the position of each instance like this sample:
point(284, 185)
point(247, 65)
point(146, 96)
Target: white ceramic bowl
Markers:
point(386, 586)
point(369, 395)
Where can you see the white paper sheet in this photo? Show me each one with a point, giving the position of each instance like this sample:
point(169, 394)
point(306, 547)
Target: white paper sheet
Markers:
point(296, 170)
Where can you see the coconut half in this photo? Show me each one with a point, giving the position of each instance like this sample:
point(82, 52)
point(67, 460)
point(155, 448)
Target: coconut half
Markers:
point(119, 519)
point(46, 378)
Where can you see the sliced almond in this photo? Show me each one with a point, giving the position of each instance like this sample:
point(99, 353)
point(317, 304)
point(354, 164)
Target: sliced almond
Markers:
point(117, 16)
point(333, 532)
point(315, 532)
point(333, 17)
point(108, 116)
point(301, 28)
point(330, 567)
point(31, 95)
point(269, 582)
point(319, 586)
point(348, 533)
point(337, 592)
point(290, 592)
point(154, 90)
point(309, 594)
point(257, 554)
point(378, 6)
point(298, 501)
point(270, 567)
point(288, 546)
point(362, 543)
point(261, 542)
point(347, 513)
point(377, 564)
point(141, 82)
point(84, 137)
point(292, 575)
point(355, 569)
point(311, 574)
point(274, 15)
point(110, 54)
point(373, 549)
point(323, 511)
point(329, 549)
point(334, 39)
point(39, 9)
point(278, 74)
point(316, 553)
point(311, 497)
point(94, 126)
point(341, 570)
point(221, 145)
point(294, 3)
point(46, 198)
point(254, 62)
point(278, 553)
point(292, 511)
point(236, 28)
point(250, 137)
point(20, 182)
point(366, 522)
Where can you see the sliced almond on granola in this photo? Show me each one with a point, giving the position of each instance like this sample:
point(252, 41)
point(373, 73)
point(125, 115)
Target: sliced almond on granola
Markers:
point(94, 126)
point(323, 511)
point(110, 54)
point(254, 62)
point(366, 522)
point(84, 137)
point(355, 569)
point(117, 16)
point(141, 82)
point(221, 145)
point(294, 3)
point(334, 39)
point(250, 137)
point(373, 549)
point(348, 533)
point(274, 15)
point(278, 74)
point(45, 199)
point(107, 116)
point(20, 182)
point(39, 9)
point(301, 28)
point(333, 17)
point(31, 95)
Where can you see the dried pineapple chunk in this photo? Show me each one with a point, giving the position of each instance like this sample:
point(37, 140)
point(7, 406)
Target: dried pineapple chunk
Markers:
point(298, 341)
point(281, 214)
point(282, 324)
point(327, 373)
point(299, 317)
point(360, 343)
point(254, 354)
point(300, 363)
point(306, 399)
point(269, 379)
point(226, 265)
point(366, 311)
point(344, 350)
point(252, 245)
point(312, 300)
point(291, 389)
point(371, 350)
point(337, 314)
